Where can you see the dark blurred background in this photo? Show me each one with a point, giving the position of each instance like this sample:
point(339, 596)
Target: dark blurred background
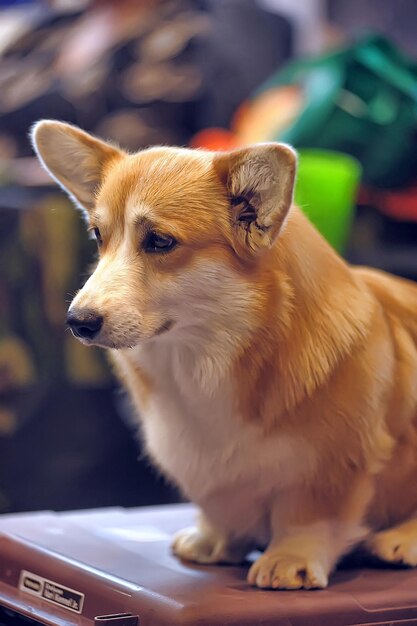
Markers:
point(337, 79)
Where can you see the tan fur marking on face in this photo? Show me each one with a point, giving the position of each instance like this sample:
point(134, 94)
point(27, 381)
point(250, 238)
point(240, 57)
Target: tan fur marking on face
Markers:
point(179, 192)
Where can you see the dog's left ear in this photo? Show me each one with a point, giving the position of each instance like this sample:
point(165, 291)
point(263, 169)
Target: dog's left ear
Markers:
point(75, 159)
point(259, 181)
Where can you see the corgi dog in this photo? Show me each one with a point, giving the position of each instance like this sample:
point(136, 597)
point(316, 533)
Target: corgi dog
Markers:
point(274, 384)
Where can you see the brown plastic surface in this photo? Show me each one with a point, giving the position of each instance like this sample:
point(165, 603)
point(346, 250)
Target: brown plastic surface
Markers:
point(120, 560)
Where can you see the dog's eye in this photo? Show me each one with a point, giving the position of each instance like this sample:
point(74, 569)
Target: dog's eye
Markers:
point(158, 243)
point(97, 236)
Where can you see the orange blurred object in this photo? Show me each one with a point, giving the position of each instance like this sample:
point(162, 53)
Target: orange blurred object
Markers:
point(214, 139)
point(269, 113)
point(256, 120)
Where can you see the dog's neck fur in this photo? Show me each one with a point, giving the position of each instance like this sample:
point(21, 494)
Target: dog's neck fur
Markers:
point(326, 291)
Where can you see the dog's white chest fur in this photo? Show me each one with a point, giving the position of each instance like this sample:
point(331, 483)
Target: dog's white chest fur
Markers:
point(225, 465)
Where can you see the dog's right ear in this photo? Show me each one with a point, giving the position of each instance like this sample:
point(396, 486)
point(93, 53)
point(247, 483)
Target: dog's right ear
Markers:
point(75, 159)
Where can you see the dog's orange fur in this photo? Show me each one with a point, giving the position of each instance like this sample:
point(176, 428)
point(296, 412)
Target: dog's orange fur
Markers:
point(323, 356)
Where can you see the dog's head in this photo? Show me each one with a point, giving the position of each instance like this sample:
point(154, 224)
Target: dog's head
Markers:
point(179, 232)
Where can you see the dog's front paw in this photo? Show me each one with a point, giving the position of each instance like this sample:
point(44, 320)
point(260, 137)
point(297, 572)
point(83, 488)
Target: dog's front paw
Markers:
point(395, 545)
point(191, 544)
point(275, 570)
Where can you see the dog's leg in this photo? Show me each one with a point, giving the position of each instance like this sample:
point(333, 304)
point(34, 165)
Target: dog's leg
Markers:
point(397, 544)
point(309, 535)
point(204, 544)
point(302, 560)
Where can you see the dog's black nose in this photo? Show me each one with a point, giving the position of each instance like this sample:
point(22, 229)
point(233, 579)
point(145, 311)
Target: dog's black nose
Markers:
point(84, 323)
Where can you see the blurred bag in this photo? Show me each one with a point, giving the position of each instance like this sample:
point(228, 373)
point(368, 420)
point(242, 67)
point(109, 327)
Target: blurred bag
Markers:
point(361, 100)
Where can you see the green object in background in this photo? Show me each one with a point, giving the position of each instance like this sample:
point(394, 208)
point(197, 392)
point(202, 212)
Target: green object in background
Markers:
point(360, 100)
point(327, 184)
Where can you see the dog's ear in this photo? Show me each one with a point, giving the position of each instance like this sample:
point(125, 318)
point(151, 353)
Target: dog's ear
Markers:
point(75, 159)
point(259, 181)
